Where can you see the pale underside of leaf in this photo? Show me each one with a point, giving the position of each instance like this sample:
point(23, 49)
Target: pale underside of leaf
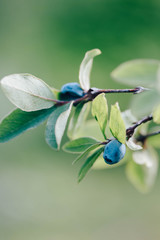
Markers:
point(27, 92)
point(56, 125)
point(79, 116)
point(132, 145)
point(85, 68)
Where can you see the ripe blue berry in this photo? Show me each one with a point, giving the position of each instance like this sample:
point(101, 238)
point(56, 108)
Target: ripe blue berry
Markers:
point(114, 151)
point(71, 91)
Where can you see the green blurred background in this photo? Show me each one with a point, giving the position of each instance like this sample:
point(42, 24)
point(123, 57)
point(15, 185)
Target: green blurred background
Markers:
point(39, 195)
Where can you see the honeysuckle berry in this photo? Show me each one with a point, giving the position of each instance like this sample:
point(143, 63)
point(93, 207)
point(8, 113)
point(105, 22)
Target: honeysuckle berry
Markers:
point(114, 151)
point(71, 91)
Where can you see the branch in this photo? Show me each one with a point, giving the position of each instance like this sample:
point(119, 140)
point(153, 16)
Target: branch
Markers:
point(94, 92)
point(134, 91)
point(130, 130)
point(142, 138)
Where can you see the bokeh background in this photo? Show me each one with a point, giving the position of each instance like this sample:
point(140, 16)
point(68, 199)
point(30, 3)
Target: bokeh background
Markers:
point(39, 195)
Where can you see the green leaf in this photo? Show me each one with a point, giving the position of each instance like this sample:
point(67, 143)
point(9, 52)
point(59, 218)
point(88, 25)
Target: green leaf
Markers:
point(80, 114)
point(144, 103)
point(27, 92)
point(19, 121)
point(156, 115)
point(85, 68)
point(79, 145)
point(86, 152)
point(56, 125)
point(142, 170)
point(137, 72)
point(116, 124)
point(89, 163)
point(100, 111)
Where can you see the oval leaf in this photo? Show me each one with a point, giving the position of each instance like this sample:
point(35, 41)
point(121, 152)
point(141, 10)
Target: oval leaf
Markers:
point(27, 92)
point(137, 72)
point(79, 145)
point(86, 152)
point(85, 68)
point(80, 114)
point(56, 125)
point(100, 111)
point(116, 124)
point(144, 103)
point(142, 170)
point(19, 121)
point(89, 163)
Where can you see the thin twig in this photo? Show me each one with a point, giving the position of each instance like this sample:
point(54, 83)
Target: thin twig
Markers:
point(130, 130)
point(142, 138)
point(94, 92)
point(134, 91)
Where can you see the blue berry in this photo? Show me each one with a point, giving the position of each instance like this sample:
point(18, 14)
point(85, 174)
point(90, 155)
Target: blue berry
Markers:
point(71, 91)
point(114, 151)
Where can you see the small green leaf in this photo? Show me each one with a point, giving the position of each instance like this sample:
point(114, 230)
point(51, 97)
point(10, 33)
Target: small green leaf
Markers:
point(116, 124)
point(80, 114)
point(19, 121)
point(56, 125)
point(85, 68)
point(79, 145)
point(142, 170)
point(89, 163)
point(100, 111)
point(137, 72)
point(27, 92)
point(156, 115)
point(86, 152)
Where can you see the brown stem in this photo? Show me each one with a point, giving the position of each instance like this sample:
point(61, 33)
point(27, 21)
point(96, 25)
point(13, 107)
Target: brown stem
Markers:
point(130, 130)
point(94, 92)
point(142, 138)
